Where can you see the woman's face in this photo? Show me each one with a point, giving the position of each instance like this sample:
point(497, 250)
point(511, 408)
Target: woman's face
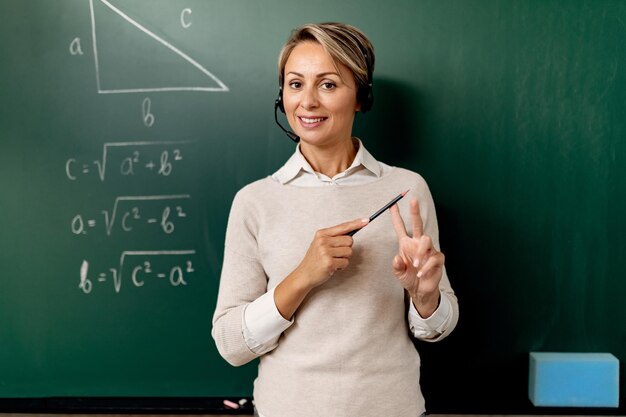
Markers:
point(320, 103)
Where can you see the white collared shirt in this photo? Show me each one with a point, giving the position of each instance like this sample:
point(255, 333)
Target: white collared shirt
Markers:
point(297, 171)
point(262, 322)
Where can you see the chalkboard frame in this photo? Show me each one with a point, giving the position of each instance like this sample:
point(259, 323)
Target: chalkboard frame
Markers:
point(215, 406)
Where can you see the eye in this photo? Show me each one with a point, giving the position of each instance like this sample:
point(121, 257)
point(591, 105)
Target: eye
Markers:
point(295, 84)
point(328, 85)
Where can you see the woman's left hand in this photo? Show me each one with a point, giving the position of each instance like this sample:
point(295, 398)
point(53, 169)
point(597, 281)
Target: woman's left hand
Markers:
point(418, 265)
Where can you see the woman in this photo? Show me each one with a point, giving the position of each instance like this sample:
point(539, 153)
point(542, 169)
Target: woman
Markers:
point(330, 315)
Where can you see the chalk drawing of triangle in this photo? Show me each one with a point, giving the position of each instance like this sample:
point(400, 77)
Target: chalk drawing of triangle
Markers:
point(123, 67)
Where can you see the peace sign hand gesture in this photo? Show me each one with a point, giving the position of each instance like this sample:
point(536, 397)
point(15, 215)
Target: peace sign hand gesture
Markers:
point(418, 265)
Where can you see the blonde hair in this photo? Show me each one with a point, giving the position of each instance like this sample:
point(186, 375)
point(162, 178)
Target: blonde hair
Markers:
point(344, 43)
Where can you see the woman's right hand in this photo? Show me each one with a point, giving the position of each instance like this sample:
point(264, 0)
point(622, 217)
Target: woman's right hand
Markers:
point(330, 251)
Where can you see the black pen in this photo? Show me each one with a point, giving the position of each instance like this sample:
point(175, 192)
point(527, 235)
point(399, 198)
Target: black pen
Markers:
point(379, 212)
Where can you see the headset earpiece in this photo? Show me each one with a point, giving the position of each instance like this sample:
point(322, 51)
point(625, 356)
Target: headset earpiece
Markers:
point(278, 104)
point(279, 100)
point(365, 97)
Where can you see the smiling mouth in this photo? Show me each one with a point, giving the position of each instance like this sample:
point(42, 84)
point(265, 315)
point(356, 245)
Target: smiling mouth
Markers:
point(311, 120)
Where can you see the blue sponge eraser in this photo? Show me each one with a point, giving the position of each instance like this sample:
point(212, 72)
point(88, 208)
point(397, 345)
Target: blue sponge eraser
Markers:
point(573, 379)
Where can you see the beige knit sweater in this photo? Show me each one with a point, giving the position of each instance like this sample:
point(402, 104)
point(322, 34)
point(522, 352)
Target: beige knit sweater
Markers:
point(348, 353)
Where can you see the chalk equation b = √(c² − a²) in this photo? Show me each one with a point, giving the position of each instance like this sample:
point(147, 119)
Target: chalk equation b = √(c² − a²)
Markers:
point(175, 274)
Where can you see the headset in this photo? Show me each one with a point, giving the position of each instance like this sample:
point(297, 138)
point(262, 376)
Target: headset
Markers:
point(278, 104)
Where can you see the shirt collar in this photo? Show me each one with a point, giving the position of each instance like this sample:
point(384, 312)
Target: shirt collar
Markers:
point(298, 163)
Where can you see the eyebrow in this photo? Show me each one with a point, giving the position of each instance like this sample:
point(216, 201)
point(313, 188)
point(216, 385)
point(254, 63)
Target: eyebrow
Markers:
point(322, 75)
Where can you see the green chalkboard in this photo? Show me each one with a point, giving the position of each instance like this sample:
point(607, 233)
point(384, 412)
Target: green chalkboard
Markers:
point(127, 126)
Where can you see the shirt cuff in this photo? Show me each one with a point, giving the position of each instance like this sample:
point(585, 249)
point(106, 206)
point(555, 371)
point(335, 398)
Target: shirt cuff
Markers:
point(263, 324)
point(434, 325)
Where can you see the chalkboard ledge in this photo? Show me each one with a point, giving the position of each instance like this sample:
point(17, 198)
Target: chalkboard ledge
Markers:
point(124, 405)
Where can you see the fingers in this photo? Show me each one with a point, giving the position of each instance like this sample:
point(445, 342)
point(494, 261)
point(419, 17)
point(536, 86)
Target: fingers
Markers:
point(340, 252)
point(329, 252)
point(333, 246)
point(434, 263)
point(424, 250)
point(336, 250)
point(339, 241)
point(416, 218)
point(427, 259)
point(344, 228)
point(398, 265)
point(398, 223)
point(337, 258)
point(418, 225)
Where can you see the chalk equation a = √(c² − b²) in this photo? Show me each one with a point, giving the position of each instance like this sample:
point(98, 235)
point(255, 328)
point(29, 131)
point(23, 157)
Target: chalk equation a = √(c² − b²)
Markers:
point(122, 65)
point(150, 268)
point(170, 209)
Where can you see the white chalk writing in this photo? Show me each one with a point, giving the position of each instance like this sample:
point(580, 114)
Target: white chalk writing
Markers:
point(142, 270)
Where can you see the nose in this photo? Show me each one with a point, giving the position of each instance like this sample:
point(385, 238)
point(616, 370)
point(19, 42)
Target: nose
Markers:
point(309, 98)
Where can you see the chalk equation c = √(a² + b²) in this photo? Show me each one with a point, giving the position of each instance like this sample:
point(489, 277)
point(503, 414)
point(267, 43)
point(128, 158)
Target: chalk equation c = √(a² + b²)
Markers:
point(132, 162)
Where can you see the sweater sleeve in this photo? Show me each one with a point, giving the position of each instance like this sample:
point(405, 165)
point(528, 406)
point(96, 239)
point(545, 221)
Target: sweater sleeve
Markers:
point(242, 281)
point(431, 228)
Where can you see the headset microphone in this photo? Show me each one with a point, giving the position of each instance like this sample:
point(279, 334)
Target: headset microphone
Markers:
point(291, 135)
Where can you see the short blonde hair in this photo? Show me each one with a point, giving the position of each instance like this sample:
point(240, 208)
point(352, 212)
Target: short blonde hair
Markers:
point(345, 44)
